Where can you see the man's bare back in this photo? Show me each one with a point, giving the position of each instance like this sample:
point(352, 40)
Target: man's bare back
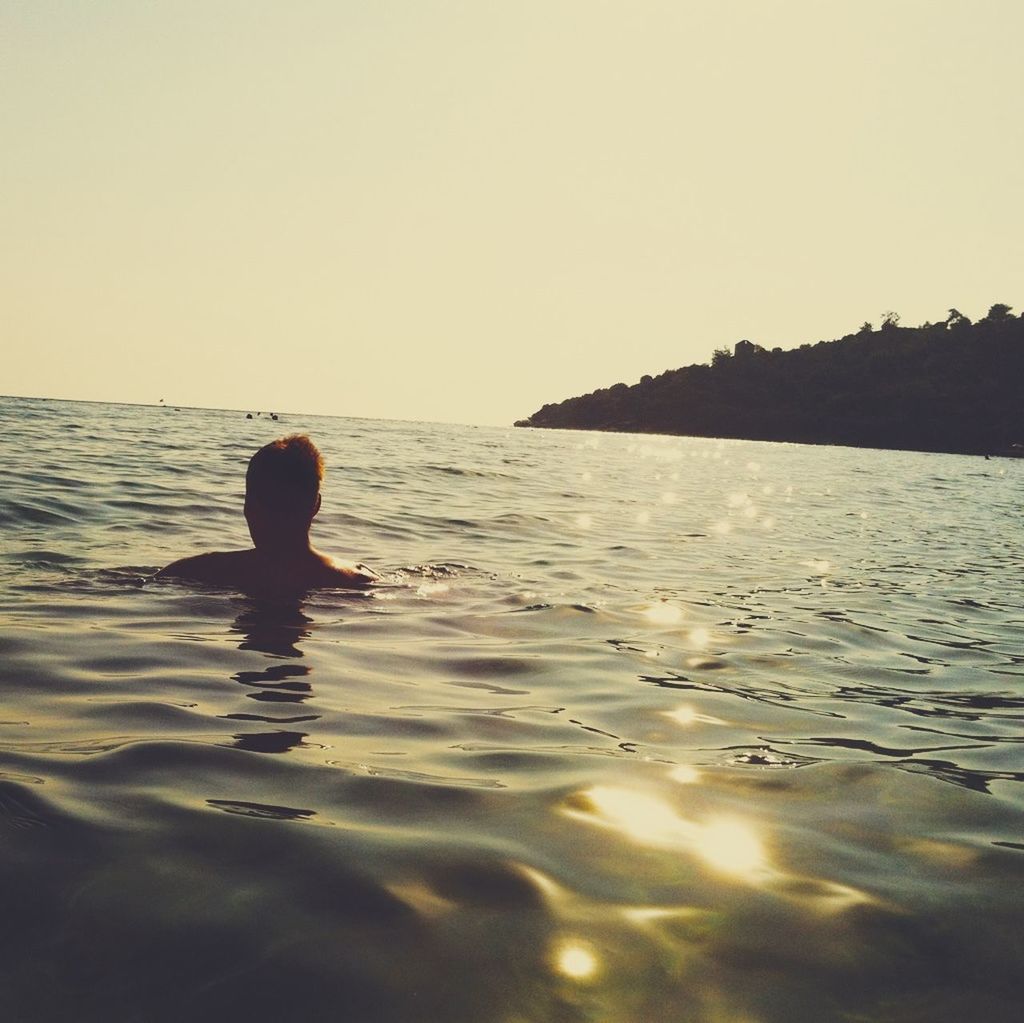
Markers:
point(252, 570)
point(282, 496)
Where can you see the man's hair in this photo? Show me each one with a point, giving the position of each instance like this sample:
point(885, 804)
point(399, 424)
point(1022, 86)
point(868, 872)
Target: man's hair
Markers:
point(285, 475)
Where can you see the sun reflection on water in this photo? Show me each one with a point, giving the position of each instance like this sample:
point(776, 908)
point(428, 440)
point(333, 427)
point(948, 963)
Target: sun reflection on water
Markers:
point(688, 715)
point(575, 960)
point(685, 774)
point(700, 637)
point(641, 916)
point(662, 613)
point(544, 884)
point(727, 845)
point(732, 847)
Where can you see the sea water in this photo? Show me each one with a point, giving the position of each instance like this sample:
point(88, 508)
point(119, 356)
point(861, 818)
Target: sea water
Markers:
point(634, 729)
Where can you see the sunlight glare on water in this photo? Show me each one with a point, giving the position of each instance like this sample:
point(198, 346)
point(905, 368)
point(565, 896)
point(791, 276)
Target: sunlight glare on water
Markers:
point(726, 845)
point(688, 715)
point(575, 960)
point(699, 637)
point(685, 774)
point(732, 847)
point(663, 613)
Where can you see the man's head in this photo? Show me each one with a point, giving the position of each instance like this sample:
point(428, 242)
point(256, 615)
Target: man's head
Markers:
point(282, 490)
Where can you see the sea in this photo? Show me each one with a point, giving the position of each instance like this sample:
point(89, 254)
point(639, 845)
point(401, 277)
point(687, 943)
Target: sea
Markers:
point(634, 728)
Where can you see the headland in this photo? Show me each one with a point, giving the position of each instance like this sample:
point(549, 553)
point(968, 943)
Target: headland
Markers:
point(954, 386)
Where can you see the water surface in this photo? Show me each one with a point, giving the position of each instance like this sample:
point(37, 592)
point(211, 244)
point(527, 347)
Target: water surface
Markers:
point(637, 728)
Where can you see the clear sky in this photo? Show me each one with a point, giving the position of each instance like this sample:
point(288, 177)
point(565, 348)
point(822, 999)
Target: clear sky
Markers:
point(459, 210)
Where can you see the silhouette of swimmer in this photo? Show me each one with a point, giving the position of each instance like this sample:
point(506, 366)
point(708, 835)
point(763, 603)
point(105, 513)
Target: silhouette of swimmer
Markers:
point(282, 496)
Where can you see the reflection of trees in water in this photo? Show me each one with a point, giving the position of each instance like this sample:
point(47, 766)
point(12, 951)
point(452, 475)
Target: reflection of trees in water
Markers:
point(274, 628)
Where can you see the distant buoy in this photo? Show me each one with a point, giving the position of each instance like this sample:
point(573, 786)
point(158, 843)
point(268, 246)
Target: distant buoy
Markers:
point(248, 415)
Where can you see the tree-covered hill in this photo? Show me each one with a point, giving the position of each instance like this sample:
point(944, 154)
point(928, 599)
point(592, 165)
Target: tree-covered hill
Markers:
point(949, 386)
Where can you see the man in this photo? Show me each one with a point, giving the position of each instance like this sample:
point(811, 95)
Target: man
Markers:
point(282, 495)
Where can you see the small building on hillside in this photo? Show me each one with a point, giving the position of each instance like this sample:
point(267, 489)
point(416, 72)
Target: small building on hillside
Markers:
point(745, 348)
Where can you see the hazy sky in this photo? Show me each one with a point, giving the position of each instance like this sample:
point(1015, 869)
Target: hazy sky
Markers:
point(462, 210)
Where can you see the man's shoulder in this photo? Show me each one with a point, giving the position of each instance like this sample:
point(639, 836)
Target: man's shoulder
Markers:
point(247, 570)
point(210, 567)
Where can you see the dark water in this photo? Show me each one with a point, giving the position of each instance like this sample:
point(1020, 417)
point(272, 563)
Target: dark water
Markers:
point(637, 729)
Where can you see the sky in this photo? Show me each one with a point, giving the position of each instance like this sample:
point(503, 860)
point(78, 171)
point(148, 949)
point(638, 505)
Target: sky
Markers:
point(460, 210)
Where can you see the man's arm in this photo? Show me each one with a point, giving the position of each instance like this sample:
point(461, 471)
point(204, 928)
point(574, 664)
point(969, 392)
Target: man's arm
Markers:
point(354, 575)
